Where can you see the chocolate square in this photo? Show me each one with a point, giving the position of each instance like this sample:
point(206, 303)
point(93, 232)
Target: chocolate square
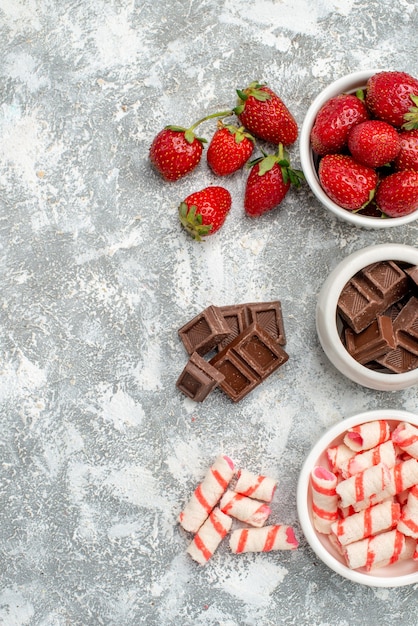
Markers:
point(202, 333)
point(268, 315)
point(248, 360)
point(198, 378)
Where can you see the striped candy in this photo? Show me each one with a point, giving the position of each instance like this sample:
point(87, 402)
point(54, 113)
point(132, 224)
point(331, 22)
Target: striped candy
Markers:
point(245, 509)
point(255, 486)
point(209, 536)
point(265, 539)
point(324, 499)
point(207, 494)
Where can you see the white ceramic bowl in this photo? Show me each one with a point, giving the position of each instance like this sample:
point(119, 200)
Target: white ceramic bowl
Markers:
point(395, 575)
point(347, 84)
point(327, 322)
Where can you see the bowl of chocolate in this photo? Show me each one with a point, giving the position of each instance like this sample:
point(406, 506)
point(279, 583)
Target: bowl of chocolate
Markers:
point(327, 110)
point(367, 316)
point(357, 498)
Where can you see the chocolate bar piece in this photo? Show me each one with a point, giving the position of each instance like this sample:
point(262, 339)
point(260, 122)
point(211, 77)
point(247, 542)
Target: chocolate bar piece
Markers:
point(236, 318)
point(268, 315)
point(205, 331)
point(247, 360)
point(399, 360)
point(373, 342)
point(370, 292)
point(198, 378)
point(406, 326)
point(412, 272)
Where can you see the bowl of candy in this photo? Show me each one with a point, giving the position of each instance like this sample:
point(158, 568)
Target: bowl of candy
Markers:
point(367, 316)
point(357, 154)
point(357, 498)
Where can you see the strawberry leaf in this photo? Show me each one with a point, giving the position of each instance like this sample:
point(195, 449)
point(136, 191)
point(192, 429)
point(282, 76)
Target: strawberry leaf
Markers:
point(266, 164)
point(411, 118)
point(193, 221)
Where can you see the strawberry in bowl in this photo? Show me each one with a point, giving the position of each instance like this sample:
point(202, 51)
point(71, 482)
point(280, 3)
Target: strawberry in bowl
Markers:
point(369, 120)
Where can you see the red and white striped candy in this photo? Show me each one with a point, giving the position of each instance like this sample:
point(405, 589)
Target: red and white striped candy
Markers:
point(338, 456)
point(364, 485)
point(243, 508)
point(255, 486)
point(266, 539)
point(209, 536)
point(383, 453)
point(368, 435)
point(369, 522)
point(408, 524)
point(406, 437)
point(379, 550)
point(207, 494)
point(324, 499)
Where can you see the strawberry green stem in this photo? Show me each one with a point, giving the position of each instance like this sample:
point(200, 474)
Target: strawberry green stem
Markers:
point(188, 132)
point(209, 117)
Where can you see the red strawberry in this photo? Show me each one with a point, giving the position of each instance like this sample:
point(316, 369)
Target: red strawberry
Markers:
point(348, 183)
point(334, 120)
point(407, 158)
point(397, 194)
point(268, 183)
point(176, 151)
point(373, 143)
point(229, 149)
point(203, 212)
point(391, 97)
point(265, 115)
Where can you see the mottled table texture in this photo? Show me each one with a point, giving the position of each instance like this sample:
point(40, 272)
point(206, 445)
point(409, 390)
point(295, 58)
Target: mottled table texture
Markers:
point(99, 450)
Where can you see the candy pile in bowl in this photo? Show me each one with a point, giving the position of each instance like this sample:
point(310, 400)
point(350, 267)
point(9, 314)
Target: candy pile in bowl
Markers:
point(358, 498)
point(359, 148)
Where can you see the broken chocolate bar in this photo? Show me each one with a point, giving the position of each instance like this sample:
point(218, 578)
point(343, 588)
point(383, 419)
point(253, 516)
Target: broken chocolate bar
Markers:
point(373, 342)
point(247, 361)
point(268, 315)
point(406, 326)
point(412, 272)
point(236, 318)
point(370, 292)
point(399, 360)
point(205, 331)
point(198, 378)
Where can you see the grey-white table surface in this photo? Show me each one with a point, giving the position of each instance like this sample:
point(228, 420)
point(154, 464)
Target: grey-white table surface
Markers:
point(99, 451)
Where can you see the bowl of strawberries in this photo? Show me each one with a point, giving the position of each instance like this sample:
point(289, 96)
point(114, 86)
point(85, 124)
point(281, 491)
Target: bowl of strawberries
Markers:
point(359, 148)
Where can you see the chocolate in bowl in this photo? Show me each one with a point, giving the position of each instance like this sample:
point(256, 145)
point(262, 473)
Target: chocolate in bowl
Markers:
point(328, 324)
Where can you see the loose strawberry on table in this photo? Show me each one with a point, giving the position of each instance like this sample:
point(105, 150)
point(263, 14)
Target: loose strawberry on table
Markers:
point(176, 151)
point(333, 122)
point(348, 183)
point(229, 149)
point(265, 115)
point(392, 96)
point(203, 212)
point(269, 181)
point(373, 143)
point(397, 194)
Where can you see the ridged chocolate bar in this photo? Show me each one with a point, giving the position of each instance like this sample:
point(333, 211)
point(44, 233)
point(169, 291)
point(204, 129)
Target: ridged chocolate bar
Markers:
point(268, 315)
point(373, 342)
point(198, 378)
point(205, 331)
point(406, 326)
point(237, 319)
point(370, 292)
point(247, 361)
